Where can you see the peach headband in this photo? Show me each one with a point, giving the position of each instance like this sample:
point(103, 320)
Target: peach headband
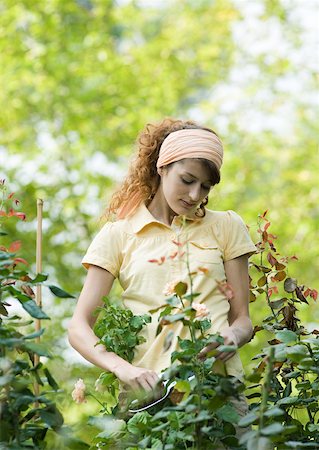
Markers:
point(191, 143)
point(181, 144)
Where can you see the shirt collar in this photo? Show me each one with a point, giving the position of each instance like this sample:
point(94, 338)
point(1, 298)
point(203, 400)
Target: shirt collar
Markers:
point(142, 217)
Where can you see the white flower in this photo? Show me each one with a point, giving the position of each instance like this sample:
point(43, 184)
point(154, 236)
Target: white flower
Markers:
point(201, 310)
point(78, 394)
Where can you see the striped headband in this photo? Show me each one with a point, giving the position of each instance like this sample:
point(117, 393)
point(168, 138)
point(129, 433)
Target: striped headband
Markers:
point(191, 143)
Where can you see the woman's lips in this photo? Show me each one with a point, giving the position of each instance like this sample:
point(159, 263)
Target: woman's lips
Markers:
point(188, 205)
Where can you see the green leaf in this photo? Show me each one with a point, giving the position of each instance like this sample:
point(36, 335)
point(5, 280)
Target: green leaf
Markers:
point(228, 413)
point(274, 428)
point(40, 277)
point(33, 309)
point(58, 292)
point(290, 284)
point(51, 416)
point(227, 348)
point(288, 401)
point(34, 335)
point(276, 304)
point(39, 349)
point(297, 353)
point(138, 422)
point(249, 419)
point(274, 412)
point(50, 379)
point(174, 317)
point(286, 336)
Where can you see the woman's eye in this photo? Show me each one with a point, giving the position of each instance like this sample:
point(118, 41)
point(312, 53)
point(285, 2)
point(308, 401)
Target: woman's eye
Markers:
point(207, 188)
point(186, 181)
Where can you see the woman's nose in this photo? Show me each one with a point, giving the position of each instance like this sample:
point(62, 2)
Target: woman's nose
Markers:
point(194, 193)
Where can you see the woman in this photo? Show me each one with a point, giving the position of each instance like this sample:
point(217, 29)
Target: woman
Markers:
point(177, 164)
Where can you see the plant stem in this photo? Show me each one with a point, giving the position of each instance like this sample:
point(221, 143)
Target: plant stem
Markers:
point(95, 398)
point(266, 387)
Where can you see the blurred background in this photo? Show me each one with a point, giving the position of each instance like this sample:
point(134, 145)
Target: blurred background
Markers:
point(79, 80)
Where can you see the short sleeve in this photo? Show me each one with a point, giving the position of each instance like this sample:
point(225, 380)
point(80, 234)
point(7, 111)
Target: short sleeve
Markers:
point(105, 250)
point(237, 241)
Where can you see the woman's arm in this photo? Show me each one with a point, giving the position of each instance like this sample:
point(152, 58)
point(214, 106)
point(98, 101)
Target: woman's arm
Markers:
point(98, 283)
point(240, 328)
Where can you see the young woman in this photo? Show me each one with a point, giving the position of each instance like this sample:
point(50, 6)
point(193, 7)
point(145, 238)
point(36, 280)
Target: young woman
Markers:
point(176, 165)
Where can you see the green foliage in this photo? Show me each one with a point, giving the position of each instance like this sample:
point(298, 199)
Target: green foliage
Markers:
point(26, 413)
point(118, 329)
point(201, 409)
point(285, 399)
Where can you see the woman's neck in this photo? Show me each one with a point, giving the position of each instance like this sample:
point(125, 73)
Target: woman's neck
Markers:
point(160, 209)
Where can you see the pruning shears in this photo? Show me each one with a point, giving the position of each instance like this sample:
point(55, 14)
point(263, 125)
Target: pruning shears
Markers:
point(168, 387)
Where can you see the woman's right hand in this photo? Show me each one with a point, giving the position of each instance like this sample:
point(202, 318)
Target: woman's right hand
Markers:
point(137, 378)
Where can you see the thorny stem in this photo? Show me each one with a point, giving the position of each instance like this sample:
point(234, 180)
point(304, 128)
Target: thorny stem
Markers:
point(193, 337)
point(266, 388)
point(269, 302)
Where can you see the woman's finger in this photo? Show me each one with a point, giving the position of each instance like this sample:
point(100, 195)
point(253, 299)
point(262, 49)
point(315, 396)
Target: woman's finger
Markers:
point(202, 354)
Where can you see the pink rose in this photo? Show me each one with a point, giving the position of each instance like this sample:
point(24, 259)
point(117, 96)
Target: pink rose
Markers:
point(201, 310)
point(78, 394)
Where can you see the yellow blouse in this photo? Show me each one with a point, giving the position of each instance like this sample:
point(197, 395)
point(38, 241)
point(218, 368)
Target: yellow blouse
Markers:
point(125, 247)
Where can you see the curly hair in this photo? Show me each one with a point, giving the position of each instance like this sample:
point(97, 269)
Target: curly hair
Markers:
point(142, 175)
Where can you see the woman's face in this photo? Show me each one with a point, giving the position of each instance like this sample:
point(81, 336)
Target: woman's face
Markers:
point(185, 184)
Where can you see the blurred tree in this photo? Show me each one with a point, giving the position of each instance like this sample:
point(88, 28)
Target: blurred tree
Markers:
point(81, 78)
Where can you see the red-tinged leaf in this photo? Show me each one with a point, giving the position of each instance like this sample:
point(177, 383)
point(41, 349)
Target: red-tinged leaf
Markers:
point(267, 225)
point(264, 214)
point(16, 201)
point(314, 294)
point(21, 261)
point(272, 290)
point(25, 278)
point(271, 259)
point(8, 282)
point(3, 213)
point(15, 246)
point(27, 290)
point(21, 215)
point(294, 258)
point(300, 295)
point(10, 195)
point(3, 249)
point(265, 236)
point(179, 244)
point(173, 255)
point(280, 266)
point(153, 260)
point(280, 276)
point(307, 292)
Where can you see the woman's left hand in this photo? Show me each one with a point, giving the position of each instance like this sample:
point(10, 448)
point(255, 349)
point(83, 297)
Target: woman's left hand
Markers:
point(229, 339)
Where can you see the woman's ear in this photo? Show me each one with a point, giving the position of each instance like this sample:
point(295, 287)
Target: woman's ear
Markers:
point(160, 171)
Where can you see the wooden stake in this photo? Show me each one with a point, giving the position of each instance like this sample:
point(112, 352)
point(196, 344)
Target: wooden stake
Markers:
point(38, 287)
